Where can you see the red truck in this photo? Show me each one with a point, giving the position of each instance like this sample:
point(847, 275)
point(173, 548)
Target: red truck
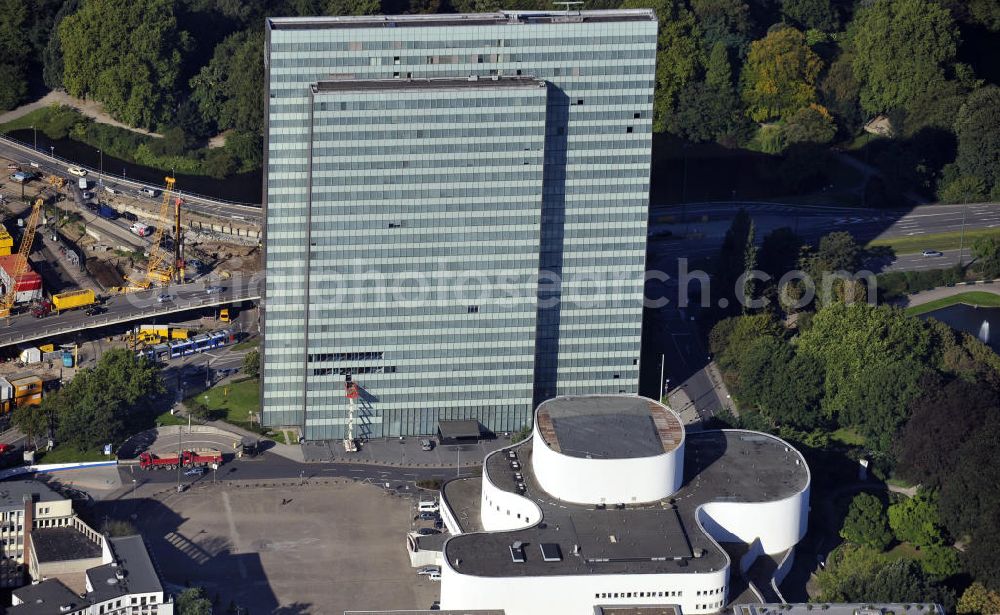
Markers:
point(197, 458)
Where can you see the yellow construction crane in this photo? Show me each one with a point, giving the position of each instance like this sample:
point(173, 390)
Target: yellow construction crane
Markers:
point(159, 268)
point(21, 263)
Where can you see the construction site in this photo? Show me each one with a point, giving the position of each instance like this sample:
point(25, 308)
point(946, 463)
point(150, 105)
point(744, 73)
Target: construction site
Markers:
point(71, 244)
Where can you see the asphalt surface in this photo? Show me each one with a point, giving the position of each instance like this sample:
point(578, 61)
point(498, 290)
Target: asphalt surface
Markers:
point(53, 166)
point(132, 307)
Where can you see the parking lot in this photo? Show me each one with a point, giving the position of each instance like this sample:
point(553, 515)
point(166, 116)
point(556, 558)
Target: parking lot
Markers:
point(320, 548)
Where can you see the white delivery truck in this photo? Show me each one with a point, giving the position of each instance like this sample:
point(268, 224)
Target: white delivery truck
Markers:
point(82, 183)
point(140, 229)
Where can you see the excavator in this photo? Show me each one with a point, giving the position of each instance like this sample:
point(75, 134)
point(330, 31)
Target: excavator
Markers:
point(21, 263)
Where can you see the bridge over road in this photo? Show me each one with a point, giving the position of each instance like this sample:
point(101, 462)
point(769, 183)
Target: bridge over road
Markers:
point(129, 308)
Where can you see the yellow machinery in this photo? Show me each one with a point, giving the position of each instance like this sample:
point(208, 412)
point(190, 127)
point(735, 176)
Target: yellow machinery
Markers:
point(160, 269)
point(21, 266)
point(6, 242)
point(58, 182)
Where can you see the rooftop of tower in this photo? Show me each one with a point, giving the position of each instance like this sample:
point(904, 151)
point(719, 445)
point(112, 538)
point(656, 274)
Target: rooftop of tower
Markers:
point(500, 18)
point(495, 81)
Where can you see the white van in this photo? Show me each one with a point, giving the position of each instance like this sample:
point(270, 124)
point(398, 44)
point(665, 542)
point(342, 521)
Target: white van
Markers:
point(82, 183)
point(428, 506)
point(140, 229)
point(147, 191)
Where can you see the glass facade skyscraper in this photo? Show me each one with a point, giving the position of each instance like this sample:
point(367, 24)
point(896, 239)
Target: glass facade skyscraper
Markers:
point(455, 215)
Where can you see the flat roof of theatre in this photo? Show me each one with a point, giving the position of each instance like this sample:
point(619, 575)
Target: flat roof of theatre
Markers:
point(350, 85)
point(657, 537)
point(459, 19)
point(608, 427)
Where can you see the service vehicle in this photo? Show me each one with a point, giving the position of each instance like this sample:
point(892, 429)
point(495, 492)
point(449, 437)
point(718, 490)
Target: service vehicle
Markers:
point(428, 570)
point(83, 184)
point(197, 458)
point(112, 190)
point(428, 506)
point(77, 171)
point(87, 195)
point(73, 299)
point(146, 190)
point(140, 229)
point(164, 298)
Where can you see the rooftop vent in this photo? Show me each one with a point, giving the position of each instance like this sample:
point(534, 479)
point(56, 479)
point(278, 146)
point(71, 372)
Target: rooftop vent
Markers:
point(551, 552)
point(517, 552)
point(111, 581)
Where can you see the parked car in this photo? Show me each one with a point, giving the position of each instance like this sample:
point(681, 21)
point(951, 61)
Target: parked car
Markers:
point(131, 217)
point(426, 570)
point(932, 253)
point(95, 310)
point(435, 576)
point(87, 195)
point(77, 171)
point(94, 207)
point(211, 290)
point(426, 516)
point(195, 472)
point(428, 531)
point(147, 191)
point(426, 444)
point(164, 298)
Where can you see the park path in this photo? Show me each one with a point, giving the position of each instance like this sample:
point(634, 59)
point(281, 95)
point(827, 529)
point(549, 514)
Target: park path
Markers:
point(90, 108)
point(926, 296)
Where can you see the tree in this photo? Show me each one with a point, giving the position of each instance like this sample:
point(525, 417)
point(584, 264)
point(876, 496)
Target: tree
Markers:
point(963, 189)
point(779, 76)
point(14, 53)
point(986, 252)
point(783, 386)
point(709, 109)
point(229, 90)
point(251, 364)
point(812, 124)
point(866, 523)
point(779, 251)
point(982, 555)
point(101, 405)
point(730, 263)
point(916, 520)
point(840, 92)
point(861, 574)
point(131, 63)
point(902, 49)
point(193, 601)
point(977, 127)
point(941, 422)
point(940, 561)
point(977, 600)
point(725, 22)
point(52, 56)
point(731, 338)
point(862, 348)
point(838, 253)
point(679, 57)
point(806, 14)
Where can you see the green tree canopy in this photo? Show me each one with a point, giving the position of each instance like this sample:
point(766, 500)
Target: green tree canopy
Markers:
point(229, 90)
point(806, 14)
point(861, 574)
point(251, 363)
point(780, 74)
point(14, 51)
point(679, 56)
point(977, 127)
point(193, 601)
point(783, 386)
point(101, 405)
point(866, 523)
point(812, 124)
point(916, 520)
point(902, 49)
point(126, 54)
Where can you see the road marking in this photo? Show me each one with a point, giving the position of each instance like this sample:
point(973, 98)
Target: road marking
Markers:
point(234, 536)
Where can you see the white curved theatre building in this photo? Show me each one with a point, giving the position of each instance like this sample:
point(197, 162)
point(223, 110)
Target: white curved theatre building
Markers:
point(610, 503)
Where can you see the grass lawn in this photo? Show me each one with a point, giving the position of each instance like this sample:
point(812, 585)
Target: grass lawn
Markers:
point(977, 298)
point(279, 437)
point(237, 400)
point(899, 482)
point(848, 436)
point(933, 241)
point(905, 551)
point(35, 118)
point(68, 454)
point(169, 419)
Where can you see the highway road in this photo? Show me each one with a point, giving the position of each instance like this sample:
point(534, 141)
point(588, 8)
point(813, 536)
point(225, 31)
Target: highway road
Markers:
point(132, 307)
point(56, 166)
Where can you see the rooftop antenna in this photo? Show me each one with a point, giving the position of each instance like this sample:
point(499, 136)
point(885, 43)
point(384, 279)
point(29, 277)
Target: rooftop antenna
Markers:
point(569, 5)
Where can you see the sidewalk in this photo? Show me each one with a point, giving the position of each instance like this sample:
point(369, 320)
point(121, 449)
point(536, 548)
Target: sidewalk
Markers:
point(288, 451)
point(926, 296)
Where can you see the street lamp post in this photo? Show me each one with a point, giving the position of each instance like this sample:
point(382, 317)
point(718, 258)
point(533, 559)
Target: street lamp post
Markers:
point(34, 132)
point(52, 150)
point(100, 176)
point(663, 367)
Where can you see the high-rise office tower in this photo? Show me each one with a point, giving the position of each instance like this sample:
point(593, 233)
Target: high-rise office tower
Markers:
point(455, 215)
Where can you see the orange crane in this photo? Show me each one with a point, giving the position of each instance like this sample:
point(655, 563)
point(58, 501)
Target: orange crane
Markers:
point(351, 391)
point(21, 264)
point(160, 268)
